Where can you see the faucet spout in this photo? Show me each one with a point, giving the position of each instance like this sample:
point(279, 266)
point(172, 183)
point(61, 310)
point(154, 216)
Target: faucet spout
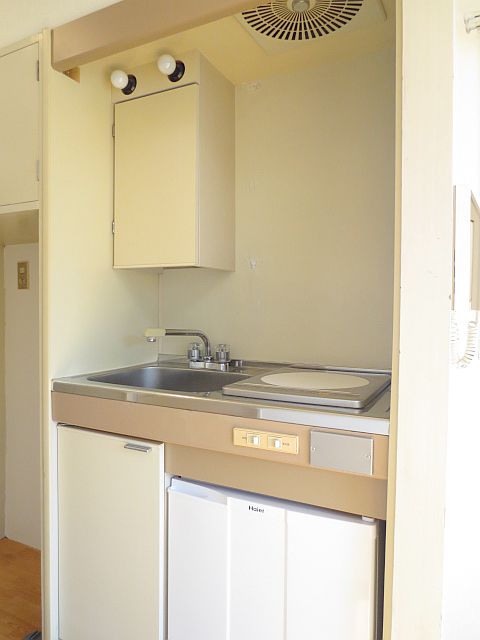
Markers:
point(194, 333)
point(152, 334)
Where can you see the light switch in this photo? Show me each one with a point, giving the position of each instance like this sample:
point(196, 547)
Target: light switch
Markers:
point(253, 439)
point(23, 275)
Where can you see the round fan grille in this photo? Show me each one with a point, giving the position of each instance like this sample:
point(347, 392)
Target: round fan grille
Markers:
point(315, 19)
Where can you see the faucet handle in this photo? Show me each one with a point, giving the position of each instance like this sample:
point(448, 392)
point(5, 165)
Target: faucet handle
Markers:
point(222, 353)
point(194, 352)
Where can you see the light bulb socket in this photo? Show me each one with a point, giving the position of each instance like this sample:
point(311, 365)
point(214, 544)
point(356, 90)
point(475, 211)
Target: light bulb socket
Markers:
point(178, 73)
point(131, 85)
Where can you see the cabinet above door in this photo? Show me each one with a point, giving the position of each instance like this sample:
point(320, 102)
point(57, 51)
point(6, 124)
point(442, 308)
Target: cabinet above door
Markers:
point(156, 179)
point(19, 129)
point(174, 172)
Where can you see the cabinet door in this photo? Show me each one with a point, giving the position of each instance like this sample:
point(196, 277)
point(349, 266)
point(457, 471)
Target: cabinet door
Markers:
point(110, 500)
point(19, 123)
point(156, 146)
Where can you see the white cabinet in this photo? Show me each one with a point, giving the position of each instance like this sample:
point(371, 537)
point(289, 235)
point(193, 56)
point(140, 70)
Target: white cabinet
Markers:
point(174, 171)
point(247, 566)
point(110, 537)
point(19, 129)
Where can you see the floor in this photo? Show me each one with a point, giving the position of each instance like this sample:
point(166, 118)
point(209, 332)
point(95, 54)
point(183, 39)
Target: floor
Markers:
point(20, 609)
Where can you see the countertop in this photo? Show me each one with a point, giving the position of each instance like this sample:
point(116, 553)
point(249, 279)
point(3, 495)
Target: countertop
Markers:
point(373, 419)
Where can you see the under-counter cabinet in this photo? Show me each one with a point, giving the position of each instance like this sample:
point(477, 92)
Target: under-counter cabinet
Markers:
point(111, 514)
point(174, 170)
point(19, 129)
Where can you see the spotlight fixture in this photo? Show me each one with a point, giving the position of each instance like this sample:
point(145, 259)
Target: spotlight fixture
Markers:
point(126, 82)
point(173, 69)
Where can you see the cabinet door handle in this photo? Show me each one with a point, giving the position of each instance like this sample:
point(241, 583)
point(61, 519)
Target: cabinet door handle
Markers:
point(137, 447)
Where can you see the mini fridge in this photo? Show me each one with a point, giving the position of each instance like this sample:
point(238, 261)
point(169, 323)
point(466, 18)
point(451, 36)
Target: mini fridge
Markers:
point(243, 566)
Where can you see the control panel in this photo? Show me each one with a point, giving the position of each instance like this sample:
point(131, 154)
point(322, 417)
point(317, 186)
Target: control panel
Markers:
point(277, 442)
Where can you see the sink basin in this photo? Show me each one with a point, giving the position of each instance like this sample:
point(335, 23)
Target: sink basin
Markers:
point(163, 378)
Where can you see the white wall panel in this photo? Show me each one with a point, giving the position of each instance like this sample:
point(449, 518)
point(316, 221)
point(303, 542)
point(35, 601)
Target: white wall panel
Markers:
point(461, 598)
point(424, 241)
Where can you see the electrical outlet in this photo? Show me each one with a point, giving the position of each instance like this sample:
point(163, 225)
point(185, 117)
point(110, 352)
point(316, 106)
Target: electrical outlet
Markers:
point(23, 280)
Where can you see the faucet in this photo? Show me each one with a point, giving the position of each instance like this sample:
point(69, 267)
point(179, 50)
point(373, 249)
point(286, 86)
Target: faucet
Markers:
point(152, 335)
point(222, 352)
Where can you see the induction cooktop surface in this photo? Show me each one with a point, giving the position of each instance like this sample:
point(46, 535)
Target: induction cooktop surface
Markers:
point(307, 386)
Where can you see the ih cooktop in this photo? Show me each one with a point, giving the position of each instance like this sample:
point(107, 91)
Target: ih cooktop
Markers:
point(308, 386)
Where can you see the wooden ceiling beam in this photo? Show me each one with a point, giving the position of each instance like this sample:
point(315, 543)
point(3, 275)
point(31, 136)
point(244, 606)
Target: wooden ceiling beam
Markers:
point(131, 23)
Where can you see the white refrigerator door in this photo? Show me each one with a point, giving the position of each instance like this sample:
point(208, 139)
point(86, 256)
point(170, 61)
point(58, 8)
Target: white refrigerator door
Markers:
point(197, 563)
point(331, 577)
point(257, 569)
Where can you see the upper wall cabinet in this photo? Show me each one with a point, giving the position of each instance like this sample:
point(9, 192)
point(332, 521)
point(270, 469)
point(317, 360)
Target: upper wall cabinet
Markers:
point(174, 169)
point(19, 129)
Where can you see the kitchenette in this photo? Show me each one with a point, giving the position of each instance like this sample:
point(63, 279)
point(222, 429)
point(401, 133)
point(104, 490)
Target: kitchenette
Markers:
point(228, 481)
point(258, 491)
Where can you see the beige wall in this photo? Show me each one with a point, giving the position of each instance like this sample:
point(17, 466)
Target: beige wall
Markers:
point(314, 217)
point(96, 316)
point(22, 402)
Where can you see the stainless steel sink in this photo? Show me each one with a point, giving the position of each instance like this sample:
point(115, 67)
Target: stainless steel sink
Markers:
point(151, 377)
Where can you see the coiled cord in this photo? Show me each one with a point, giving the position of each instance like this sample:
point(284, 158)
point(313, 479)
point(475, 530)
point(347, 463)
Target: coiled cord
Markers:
point(471, 347)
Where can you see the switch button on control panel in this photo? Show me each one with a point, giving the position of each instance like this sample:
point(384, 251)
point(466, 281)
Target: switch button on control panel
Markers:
point(253, 440)
point(275, 443)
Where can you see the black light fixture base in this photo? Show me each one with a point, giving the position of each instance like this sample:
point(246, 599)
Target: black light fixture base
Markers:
point(178, 73)
point(131, 86)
